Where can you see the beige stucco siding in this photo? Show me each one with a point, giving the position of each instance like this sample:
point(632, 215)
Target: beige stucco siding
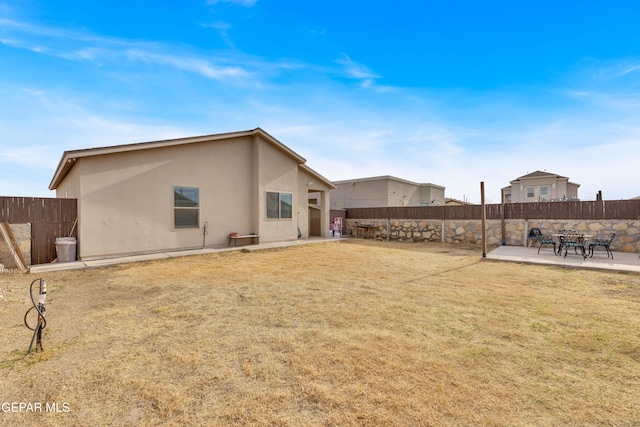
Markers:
point(557, 188)
point(126, 193)
point(127, 198)
point(431, 194)
point(279, 174)
point(70, 187)
point(309, 184)
point(361, 194)
point(384, 192)
point(302, 205)
point(402, 194)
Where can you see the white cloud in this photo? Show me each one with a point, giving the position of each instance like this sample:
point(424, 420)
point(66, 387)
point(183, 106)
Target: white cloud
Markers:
point(218, 25)
point(191, 64)
point(245, 3)
point(631, 69)
point(448, 138)
point(80, 46)
point(356, 70)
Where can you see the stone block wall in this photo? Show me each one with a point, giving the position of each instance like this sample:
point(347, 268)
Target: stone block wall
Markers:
point(627, 231)
point(22, 233)
point(401, 230)
point(515, 231)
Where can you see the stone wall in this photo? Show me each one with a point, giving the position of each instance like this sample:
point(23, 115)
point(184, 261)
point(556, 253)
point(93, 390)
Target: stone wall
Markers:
point(515, 231)
point(22, 233)
point(416, 231)
point(627, 231)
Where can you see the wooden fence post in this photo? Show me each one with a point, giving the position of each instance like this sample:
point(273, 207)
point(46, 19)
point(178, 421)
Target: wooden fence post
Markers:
point(484, 221)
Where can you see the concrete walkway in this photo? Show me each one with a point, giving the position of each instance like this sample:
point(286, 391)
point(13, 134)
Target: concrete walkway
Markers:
point(623, 261)
point(104, 262)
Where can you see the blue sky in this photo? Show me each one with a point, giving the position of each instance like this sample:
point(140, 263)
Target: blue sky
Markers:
point(452, 93)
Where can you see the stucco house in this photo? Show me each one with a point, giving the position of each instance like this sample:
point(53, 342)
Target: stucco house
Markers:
point(159, 195)
point(540, 186)
point(384, 191)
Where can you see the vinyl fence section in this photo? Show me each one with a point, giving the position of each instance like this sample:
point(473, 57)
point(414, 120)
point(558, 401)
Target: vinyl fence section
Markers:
point(49, 218)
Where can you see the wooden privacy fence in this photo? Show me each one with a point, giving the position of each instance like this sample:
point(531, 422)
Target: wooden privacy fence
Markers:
point(49, 219)
point(604, 209)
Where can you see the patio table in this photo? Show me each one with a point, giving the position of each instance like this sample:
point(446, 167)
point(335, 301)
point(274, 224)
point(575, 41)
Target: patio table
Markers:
point(574, 240)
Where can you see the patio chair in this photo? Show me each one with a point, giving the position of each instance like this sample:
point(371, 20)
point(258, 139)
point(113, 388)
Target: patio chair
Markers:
point(547, 240)
point(534, 234)
point(575, 241)
point(605, 243)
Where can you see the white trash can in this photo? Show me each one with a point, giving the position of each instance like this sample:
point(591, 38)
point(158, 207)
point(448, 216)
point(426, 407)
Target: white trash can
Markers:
point(66, 249)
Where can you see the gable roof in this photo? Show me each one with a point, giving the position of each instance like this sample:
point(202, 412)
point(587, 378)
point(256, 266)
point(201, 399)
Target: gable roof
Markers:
point(69, 158)
point(452, 200)
point(541, 174)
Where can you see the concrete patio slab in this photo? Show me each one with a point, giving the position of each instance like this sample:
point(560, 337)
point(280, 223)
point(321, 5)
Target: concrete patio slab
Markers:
point(622, 261)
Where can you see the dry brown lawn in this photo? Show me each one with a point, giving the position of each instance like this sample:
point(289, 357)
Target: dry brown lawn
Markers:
point(335, 334)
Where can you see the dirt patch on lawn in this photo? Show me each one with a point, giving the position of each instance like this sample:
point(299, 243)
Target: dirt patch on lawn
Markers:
point(352, 333)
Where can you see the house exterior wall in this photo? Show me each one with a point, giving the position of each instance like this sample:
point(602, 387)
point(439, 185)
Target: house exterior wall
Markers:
point(384, 192)
point(277, 173)
point(307, 185)
point(431, 194)
point(402, 194)
point(361, 194)
point(557, 188)
point(572, 190)
point(126, 199)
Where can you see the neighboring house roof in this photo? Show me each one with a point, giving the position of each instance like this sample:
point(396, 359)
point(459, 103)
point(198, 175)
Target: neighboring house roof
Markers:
point(452, 201)
point(70, 157)
point(540, 174)
point(386, 177)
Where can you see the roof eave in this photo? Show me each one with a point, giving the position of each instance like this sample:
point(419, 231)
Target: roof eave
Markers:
point(70, 157)
point(321, 178)
point(65, 165)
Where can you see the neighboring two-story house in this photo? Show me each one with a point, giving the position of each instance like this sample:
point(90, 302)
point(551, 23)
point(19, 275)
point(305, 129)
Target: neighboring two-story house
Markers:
point(540, 186)
point(384, 191)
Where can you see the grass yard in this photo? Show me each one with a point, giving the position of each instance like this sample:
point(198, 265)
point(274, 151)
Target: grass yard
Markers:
point(335, 334)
